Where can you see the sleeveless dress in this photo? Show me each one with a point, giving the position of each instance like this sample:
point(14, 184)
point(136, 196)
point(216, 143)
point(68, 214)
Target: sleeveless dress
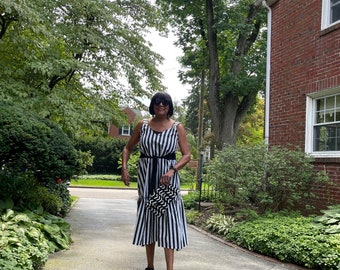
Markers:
point(169, 230)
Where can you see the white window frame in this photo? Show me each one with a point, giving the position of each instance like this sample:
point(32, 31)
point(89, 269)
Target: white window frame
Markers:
point(309, 132)
point(125, 131)
point(326, 15)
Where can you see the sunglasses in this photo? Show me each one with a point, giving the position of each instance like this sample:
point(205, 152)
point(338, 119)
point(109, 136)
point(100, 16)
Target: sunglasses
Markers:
point(158, 101)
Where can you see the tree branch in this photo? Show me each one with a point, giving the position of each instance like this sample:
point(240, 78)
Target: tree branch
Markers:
point(246, 40)
point(5, 21)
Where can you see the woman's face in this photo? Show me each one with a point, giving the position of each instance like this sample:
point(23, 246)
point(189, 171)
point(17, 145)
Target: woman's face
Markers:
point(161, 107)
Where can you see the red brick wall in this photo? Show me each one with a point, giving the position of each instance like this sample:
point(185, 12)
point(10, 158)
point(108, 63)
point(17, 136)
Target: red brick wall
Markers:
point(114, 131)
point(304, 60)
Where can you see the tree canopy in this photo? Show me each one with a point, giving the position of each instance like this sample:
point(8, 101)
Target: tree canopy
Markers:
point(224, 45)
point(74, 61)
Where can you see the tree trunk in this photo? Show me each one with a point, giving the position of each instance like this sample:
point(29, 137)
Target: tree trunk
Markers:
point(227, 111)
point(214, 70)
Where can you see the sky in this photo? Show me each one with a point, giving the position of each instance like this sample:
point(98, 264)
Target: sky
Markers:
point(170, 67)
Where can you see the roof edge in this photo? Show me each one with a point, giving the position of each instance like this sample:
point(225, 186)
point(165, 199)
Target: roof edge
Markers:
point(271, 2)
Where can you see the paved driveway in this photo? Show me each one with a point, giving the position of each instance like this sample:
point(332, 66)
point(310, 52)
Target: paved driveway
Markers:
point(102, 228)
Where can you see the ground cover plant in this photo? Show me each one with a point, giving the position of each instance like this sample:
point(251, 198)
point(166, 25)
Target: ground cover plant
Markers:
point(28, 237)
point(286, 236)
point(330, 220)
point(289, 238)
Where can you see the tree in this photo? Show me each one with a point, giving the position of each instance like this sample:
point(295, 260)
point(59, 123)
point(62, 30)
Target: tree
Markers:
point(74, 61)
point(252, 127)
point(227, 39)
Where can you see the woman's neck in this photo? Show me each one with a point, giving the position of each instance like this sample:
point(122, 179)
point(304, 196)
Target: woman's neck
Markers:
point(161, 118)
point(160, 123)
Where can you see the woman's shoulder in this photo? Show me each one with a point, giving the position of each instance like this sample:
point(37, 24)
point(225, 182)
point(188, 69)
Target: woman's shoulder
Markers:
point(139, 124)
point(177, 123)
point(179, 127)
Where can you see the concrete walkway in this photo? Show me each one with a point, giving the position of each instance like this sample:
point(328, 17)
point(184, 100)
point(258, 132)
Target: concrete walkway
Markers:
point(102, 228)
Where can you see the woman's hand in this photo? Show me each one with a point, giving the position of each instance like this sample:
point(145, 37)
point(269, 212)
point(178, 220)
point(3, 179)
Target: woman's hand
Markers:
point(166, 178)
point(126, 177)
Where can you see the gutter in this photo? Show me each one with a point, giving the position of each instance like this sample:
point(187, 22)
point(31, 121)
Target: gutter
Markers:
point(267, 97)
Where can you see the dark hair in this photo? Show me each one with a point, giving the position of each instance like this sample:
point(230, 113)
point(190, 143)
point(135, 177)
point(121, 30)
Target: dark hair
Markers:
point(161, 96)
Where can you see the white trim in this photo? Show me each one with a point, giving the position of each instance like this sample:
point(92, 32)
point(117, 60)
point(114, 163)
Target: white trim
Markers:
point(309, 131)
point(326, 15)
point(330, 154)
point(268, 65)
point(309, 125)
point(125, 131)
point(325, 93)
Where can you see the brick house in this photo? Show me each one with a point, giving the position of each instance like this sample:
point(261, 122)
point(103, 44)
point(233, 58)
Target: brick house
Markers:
point(125, 132)
point(303, 83)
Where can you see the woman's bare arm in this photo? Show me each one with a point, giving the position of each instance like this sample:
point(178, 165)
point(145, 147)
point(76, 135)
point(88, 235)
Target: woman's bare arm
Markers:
point(134, 139)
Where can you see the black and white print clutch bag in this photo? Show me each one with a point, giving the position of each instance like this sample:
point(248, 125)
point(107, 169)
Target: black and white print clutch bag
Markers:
point(159, 201)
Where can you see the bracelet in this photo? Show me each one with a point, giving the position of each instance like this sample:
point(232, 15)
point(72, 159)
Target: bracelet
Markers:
point(173, 168)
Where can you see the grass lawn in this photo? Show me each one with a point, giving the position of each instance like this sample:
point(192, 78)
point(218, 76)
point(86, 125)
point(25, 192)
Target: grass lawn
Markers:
point(100, 183)
point(107, 181)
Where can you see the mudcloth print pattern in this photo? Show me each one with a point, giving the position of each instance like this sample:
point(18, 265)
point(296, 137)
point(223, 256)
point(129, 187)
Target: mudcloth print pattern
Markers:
point(169, 230)
point(158, 202)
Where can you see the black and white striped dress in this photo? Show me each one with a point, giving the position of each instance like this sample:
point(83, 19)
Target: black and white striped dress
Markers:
point(169, 230)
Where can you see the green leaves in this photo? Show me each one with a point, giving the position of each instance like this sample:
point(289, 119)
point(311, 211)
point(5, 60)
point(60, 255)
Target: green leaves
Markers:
point(220, 223)
point(330, 220)
point(289, 238)
point(27, 238)
point(75, 61)
point(226, 41)
point(273, 179)
point(6, 204)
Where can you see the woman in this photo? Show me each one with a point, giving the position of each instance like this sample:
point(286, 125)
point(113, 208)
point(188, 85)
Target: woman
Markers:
point(159, 138)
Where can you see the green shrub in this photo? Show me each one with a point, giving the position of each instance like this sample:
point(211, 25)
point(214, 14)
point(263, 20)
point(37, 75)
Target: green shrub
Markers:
point(194, 217)
point(188, 176)
point(99, 177)
point(132, 165)
point(34, 149)
point(272, 179)
point(27, 238)
point(289, 238)
point(105, 152)
point(26, 192)
point(29, 143)
point(190, 200)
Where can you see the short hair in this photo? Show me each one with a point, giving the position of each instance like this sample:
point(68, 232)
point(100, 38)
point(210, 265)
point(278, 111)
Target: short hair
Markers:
point(164, 96)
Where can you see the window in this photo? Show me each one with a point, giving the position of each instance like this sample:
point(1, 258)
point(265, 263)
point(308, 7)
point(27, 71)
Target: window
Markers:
point(330, 13)
point(335, 10)
point(327, 124)
point(125, 131)
point(323, 124)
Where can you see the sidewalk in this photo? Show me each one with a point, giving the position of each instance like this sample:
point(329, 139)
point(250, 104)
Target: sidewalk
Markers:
point(102, 228)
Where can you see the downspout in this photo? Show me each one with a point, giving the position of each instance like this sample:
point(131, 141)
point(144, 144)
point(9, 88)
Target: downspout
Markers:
point(269, 37)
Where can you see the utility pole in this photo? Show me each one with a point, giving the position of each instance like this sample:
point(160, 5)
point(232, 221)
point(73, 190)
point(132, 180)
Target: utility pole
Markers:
point(200, 132)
